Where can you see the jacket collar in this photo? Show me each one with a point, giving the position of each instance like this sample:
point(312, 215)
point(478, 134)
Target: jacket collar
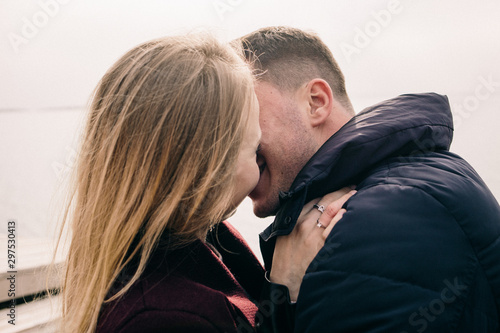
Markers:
point(400, 127)
point(232, 269)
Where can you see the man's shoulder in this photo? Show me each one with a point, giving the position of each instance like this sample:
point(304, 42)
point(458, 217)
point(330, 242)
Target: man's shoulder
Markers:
point(416, 230)
point(444, 176)
point(420, 210)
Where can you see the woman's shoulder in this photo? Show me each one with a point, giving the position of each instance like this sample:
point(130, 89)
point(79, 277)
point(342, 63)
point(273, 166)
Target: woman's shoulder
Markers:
point(172, 302)
point(189, 283)
point(154, 320)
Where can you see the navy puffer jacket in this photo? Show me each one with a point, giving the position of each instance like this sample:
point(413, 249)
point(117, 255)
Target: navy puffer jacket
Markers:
point(418, 249)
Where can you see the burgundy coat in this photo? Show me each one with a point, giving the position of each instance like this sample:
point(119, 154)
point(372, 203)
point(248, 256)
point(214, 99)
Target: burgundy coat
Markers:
point(191, 290)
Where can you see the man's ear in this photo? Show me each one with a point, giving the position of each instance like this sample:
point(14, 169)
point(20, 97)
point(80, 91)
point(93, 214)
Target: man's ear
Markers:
point(320, 101)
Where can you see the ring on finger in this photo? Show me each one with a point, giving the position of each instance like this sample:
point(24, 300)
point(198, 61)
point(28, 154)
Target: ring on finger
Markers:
point(321, 208)
point(319, 224)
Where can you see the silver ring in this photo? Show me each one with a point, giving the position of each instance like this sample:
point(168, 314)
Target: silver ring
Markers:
point(319, 225)
point(321, 208)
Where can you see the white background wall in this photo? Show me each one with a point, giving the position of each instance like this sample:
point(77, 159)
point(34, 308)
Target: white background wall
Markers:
point(53, 52)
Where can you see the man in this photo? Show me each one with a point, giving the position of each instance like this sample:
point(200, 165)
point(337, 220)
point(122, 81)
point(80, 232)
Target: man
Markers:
point(418, 248)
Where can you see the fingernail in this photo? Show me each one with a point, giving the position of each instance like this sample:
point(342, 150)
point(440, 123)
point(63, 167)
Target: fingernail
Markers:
point(353, 192)
point(352, 187)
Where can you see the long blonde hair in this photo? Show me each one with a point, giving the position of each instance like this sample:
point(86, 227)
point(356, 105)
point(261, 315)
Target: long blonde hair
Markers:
point(158, 153)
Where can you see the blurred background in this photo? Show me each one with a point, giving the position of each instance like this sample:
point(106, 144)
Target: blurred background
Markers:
point(53, 52)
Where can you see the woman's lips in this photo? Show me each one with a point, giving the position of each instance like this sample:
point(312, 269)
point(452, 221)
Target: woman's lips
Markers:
point(259, 188)
point(261, 162)
point(262, 167)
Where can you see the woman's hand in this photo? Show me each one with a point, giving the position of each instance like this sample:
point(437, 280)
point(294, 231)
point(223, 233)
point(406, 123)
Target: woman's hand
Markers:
point(293, 253)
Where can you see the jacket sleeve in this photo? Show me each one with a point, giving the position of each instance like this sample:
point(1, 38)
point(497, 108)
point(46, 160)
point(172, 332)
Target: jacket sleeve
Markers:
point(276, 312)
point(396, 262)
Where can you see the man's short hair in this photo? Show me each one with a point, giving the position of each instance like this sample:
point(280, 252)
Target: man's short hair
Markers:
point(288, 57)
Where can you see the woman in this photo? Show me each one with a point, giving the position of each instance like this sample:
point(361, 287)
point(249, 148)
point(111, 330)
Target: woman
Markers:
point(168, 151)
